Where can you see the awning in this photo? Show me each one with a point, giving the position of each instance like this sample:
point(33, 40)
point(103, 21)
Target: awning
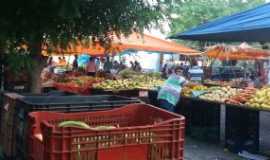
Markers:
point(242, 52)
point(251, 25)
point(135, 42)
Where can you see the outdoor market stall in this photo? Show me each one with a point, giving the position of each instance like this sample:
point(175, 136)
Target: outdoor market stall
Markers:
point(251, 25)
point(216, 108)
point(112, 84)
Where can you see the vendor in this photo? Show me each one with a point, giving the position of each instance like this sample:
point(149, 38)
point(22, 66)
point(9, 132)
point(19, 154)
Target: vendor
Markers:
point(169, 94)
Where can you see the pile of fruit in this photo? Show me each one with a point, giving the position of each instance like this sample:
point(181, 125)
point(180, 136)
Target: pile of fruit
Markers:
point(237, 83)
point(242, 97)
point(140, 82)
point(81, 81)
point(189, 88)
point(220, 94)
point(261, 99)
point(78, 85)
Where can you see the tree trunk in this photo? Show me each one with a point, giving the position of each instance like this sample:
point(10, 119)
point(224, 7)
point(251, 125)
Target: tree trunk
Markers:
point(35, 77)
point(36, 49)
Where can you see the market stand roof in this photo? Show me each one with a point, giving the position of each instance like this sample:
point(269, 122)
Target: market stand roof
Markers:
point(135, 42)
point(241, 52)
point(251, 25)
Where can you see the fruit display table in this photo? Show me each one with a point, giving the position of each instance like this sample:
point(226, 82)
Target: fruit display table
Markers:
point(202, 117)
point(72, 89)
point(142, 94)
point(242, 128)
point(235, 126)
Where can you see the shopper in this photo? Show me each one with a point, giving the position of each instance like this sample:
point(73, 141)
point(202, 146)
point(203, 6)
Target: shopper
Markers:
point(169, 94)
point(195, 73)
point(122, 66)
point(64, 61)
point(137, 66)
point(75, 63)
point(164, 70)
point(107, 65)
point(132, 65)
point(101, 64)
point(97, 61)
point(91, 67)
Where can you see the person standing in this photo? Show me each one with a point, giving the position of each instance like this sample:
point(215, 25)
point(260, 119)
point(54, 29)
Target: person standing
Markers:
point(107, 65)
point(115, 67)
point(101, 64)
point(132, 65)
point(137, 66)
point(64, 61)
point(75, 63)
point(195, 73)
point(97, 61)
point(122, 66)
point(91, 67)
point(169, 94)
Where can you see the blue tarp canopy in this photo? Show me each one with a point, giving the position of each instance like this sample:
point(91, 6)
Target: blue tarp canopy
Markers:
point(251, 25)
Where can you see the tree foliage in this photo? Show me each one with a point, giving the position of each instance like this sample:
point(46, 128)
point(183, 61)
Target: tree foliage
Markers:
point(61, 21)
point(190, 13)
point(187, 14)
point(33, 23)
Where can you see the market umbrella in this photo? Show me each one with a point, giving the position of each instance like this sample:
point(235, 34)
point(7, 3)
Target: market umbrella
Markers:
point(250, 25)
point(119, 44)
point(241, 52)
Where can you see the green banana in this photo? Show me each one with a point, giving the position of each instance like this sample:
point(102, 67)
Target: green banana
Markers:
point(83, 125)
point(103, 127)
point(77, 124)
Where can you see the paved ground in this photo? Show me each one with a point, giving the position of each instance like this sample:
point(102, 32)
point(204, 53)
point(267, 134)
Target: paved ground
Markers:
point(265, 132)
point(195, 150)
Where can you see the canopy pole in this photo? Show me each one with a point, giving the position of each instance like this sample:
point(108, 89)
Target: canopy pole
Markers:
point(161, 58)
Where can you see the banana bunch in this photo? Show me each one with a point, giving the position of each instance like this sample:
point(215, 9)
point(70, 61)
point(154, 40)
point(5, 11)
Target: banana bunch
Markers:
point(83, 125)
point(75, 124)
point(199, 88)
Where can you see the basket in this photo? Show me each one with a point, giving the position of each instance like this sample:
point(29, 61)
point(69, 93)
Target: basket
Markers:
point(14, 115)
point(144, 133)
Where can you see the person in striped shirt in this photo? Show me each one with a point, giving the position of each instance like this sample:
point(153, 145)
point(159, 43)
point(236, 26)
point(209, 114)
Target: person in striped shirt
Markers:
point(195, 73)
point(169, 94)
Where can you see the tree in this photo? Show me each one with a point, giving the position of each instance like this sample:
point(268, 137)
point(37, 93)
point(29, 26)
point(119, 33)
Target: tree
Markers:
point(35, 22)
point(191, 13)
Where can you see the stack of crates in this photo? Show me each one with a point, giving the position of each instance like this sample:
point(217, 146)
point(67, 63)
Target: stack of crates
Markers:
point(15, 110)
point(142, 132)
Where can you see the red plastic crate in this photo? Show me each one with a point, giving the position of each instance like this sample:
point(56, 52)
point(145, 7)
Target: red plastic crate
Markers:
point(145, 133)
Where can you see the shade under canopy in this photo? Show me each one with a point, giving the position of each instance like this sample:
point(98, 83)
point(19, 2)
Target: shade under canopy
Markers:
point(251, 25)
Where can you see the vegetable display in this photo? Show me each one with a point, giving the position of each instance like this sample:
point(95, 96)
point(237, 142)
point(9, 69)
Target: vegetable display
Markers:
point(242, 97)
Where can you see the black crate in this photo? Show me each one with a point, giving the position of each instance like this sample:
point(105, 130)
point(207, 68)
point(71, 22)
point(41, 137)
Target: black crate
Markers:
point(242, 129)
point(152, 95)
point(202, 118)
point(127, 93)
point(26, 104)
